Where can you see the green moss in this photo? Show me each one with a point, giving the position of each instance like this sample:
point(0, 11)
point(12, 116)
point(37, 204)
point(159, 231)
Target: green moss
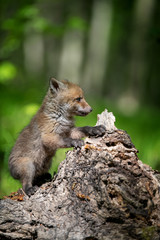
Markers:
point(148, 233)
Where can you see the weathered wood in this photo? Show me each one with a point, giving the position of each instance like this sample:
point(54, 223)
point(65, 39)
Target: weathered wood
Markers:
point(102, 191)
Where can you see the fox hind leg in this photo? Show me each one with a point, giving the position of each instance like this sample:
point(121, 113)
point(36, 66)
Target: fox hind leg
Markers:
point(27, 174)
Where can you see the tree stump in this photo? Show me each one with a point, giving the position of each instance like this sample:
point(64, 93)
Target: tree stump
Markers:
point(101, 191)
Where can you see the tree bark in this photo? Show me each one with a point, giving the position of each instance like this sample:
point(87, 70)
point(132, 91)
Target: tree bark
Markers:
point(102, 191)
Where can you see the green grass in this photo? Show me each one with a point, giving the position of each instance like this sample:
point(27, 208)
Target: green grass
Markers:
point(143, 128)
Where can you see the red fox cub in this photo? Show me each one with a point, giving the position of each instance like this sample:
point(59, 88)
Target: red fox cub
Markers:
point(51, 128)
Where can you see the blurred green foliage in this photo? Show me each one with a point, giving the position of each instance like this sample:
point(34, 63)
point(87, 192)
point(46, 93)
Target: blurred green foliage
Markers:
point(28, 18)
point(7, 72)
point(21, 92)
point(143, 127)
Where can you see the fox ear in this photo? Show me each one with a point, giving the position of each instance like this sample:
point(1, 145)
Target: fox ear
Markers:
point(55, 85)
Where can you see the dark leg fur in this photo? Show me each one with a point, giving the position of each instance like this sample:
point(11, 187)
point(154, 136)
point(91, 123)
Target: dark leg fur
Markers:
point(38, 181)
point(27, 176)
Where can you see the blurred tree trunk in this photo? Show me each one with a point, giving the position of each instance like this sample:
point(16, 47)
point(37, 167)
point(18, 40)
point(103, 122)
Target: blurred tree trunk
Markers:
point(115, 80)
point(152, 87)
point(52, 11)
point(34, 53)
point(98, 44)
point(143, 11)
point(72, 50)
point(71, 56)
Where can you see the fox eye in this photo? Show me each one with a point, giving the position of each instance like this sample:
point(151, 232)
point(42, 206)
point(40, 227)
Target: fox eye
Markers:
point(78, 99)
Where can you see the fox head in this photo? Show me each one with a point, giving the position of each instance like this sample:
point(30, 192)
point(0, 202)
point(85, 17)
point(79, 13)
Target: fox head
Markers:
point(69, 97)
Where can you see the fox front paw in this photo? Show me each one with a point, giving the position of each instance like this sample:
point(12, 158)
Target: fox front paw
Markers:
point(77, 143)
point(97, 131)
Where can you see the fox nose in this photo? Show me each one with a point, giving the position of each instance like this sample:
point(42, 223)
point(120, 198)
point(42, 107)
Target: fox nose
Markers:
point(87, 110)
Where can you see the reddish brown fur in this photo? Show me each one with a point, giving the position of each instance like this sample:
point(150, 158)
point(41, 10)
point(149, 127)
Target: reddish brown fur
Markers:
point(48, 130)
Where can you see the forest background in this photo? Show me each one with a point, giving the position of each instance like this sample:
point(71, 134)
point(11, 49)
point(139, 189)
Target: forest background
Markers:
point(111, 48)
